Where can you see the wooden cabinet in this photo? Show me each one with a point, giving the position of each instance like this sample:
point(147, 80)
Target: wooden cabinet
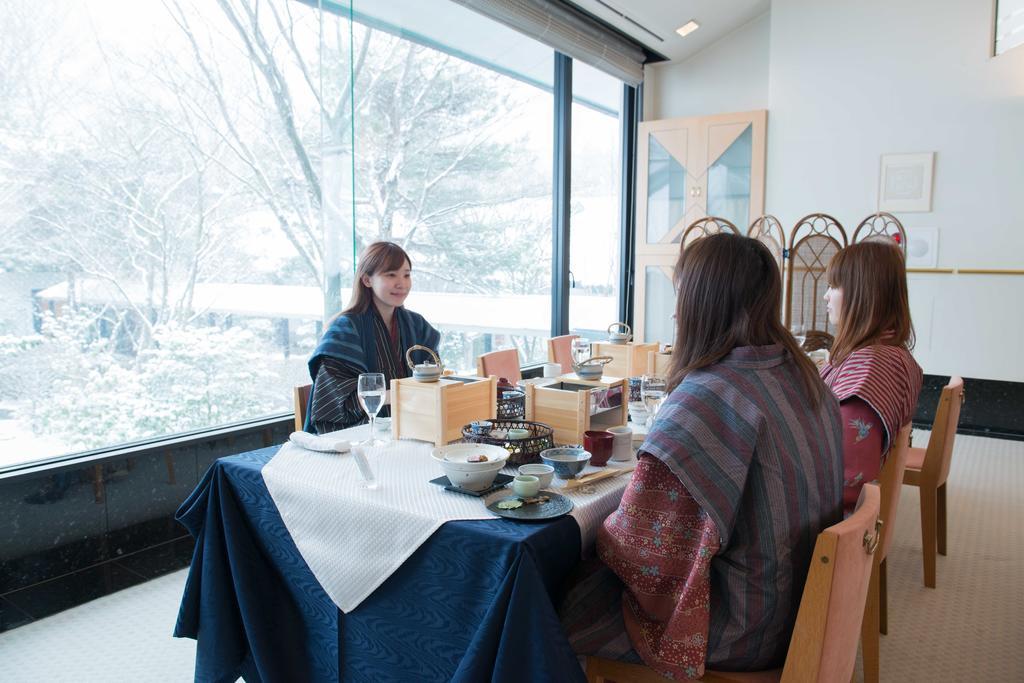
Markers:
point(689, 168)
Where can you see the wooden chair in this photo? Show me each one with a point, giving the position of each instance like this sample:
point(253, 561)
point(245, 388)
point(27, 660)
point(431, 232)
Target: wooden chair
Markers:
point(301, 394)
point(890, 481)
point(928, 469)
point(658, 363)
point(504, 363)
point(824, 643)
point(882, 227)
point(560, 351)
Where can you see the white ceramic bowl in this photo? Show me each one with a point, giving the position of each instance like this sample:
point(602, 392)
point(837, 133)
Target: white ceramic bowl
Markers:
point(543, 472)
point(472, 476)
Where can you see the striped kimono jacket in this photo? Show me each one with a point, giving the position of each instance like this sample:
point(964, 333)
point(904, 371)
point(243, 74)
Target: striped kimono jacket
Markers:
point(714, 535)
point(353, 344)
point(877, 387)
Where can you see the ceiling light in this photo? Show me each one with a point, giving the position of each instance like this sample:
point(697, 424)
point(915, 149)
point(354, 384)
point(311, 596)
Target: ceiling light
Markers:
point(688, 28)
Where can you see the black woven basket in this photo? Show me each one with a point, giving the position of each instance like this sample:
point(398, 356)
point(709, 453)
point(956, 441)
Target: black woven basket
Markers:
point(522, 451)
point(512, 406)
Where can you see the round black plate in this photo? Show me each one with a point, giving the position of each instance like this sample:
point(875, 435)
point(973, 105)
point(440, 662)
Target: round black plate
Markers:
point(557, 506)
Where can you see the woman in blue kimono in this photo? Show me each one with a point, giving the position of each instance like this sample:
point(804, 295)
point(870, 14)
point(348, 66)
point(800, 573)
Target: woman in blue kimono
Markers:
point(371, 335)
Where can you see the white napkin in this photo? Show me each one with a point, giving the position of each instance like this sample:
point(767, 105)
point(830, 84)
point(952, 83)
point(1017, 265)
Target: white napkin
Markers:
point(326, 443)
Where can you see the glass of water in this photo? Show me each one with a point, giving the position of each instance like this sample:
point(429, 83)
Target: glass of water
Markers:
point(799, 332)
point(652, 393)
point(371, 391)
point(580, 350)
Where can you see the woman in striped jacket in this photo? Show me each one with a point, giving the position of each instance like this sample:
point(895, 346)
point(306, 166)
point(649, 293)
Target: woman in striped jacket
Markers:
point(870, 368)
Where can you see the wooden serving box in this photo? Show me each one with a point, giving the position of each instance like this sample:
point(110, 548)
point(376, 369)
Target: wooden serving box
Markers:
point(437, 411)
point(572, 406)
point(657, 363)
point(628, 360)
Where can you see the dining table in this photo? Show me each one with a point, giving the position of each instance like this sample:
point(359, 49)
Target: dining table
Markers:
point(476, 600)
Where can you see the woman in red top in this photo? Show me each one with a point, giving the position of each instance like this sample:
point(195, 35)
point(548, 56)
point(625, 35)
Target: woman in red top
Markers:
point(870, 369)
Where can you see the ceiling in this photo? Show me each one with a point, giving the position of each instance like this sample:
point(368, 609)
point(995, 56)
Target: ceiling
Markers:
point(717, 18)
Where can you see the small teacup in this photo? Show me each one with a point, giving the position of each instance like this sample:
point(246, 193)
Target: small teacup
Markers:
point(545, 473)
point(622, 443)
point(526, 485)
point(599, 443)
point(481, 427)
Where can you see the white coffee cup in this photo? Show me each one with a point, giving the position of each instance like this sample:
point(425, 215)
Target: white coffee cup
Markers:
point(622, 443)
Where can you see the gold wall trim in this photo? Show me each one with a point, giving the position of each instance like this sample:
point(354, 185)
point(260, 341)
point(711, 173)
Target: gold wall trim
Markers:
point(968, 271)
point(990, 271)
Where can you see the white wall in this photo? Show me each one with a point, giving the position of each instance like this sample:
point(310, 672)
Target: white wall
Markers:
point(848, 82)
point(729, 75)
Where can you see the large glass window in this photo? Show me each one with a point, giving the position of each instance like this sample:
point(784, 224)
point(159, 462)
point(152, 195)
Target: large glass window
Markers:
point(1009, 25)
point(159, 259)
point(184, 187)
point(453, 160)
point(594, 222)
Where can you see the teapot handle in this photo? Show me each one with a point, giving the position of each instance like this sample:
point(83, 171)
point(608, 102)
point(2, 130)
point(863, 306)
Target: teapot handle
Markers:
point(594, 360)
point(626, 328)
point(418, 347)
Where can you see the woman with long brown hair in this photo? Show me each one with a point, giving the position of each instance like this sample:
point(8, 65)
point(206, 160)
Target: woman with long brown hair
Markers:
point(740, 471)
point(372, 334)
point(870, 368)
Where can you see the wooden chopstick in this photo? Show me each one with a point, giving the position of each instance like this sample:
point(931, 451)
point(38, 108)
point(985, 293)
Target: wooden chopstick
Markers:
point(597, 476)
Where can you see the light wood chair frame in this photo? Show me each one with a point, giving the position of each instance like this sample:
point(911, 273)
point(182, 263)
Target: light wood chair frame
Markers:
point(890, 481)
point(301, 394)
point(931, 477)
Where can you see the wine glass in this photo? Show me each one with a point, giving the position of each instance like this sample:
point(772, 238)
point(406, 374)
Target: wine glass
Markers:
point(652, 393)
point(371, 391)
point(799, 332)
point(580, 350)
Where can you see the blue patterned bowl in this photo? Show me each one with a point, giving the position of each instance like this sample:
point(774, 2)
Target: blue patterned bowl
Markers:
point(567, 461)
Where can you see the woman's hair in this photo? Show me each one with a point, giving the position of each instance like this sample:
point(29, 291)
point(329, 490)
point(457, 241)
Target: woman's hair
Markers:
point(875, 308)
point(379, 257)
point(730, 295)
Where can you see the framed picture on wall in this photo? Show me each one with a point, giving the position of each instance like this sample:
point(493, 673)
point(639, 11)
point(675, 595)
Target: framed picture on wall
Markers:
point(905, 184)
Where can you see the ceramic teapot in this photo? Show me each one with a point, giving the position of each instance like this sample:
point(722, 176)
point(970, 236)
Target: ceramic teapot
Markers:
point(619, 333)
point(591, 368)
point(427, 371)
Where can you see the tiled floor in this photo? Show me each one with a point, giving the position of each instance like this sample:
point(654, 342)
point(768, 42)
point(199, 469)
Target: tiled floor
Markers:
point(120, 638)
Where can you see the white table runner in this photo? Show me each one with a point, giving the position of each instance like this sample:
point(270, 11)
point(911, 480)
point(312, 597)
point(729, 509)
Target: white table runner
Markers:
point(354, 538)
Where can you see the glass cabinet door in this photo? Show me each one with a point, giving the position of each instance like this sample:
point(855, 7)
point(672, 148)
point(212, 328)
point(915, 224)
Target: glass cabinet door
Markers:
point(665, 199)
point(655, 298)
point(728, 178)
point(666, 191)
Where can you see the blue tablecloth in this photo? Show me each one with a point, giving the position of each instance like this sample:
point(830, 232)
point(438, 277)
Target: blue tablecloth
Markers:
point(474, 603)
